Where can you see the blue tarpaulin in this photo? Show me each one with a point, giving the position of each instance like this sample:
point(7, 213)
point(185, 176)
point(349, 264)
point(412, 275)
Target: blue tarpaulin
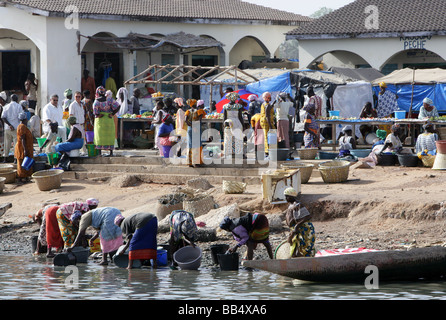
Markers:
point(436, 92)
point(280, 83)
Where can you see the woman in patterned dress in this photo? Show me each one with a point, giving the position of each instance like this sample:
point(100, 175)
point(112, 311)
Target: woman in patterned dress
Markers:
point(311, 127)
point(104, 125)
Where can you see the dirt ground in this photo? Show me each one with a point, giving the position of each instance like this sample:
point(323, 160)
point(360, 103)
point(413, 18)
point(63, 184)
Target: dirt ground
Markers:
point(380, 208)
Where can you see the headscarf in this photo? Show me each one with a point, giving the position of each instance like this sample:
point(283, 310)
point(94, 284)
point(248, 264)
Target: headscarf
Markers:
point(31, 110)
point(309, 107)
point(92, 202)
point(227, 224)
point(428, 101)
point(381, 134)
point(118, 219)
point(76, 215)
point(347, 128)
point(67, 93)
point(383, 85)
point(200, 102)
point(179, 101)
point(24, 103)
point(100, 92)
point(109, 94)
point(233, 96)
point(428, 125)
point(395, 127)
point(72, 120)
point(191, 102)
point(3, 95)
point(266, 94)
point(22, 116)
point(252, 97)
point(290, 192)
point(124, 103)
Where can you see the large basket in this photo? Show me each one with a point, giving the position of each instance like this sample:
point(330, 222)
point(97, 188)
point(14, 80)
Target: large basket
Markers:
point(233, 187)
point(47, 180)
point(428, 161)
point(5, 168)
point(335, 171)
point(306, 170)
point(200, 205)
point(307, 153)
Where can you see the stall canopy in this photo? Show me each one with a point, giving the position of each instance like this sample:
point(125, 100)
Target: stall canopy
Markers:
point(412, 86)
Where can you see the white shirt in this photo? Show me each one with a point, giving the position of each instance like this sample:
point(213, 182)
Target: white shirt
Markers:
point(34, 125)
point(76, 110)
point(11, 113)
point(283, 110)
point(52, 113)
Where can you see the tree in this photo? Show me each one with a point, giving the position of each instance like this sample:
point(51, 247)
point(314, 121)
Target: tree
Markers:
point(321, 12)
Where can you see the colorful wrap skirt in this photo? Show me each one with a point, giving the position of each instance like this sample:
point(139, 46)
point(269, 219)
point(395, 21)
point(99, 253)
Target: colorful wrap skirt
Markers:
point(260, 231)
point(304, 241)
point(143, 243)
point(53, 234)
point(104, 132)
point(68, 231)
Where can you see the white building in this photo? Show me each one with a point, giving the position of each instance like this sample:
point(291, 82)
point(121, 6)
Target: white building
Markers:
point(384, 34)
point(57, 39)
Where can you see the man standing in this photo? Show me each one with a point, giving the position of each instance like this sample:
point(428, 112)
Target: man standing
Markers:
point(135, 101)
point(87, 82)
point(52, 113)
point(11, 120)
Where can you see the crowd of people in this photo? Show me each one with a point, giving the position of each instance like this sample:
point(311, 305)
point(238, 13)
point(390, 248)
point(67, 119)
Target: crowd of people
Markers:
point(65, 226)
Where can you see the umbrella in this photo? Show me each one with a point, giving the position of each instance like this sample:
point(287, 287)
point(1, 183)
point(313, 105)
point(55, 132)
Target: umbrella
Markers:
point(243, 95)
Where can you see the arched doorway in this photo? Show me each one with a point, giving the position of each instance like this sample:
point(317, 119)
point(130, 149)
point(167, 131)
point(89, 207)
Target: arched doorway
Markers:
point(413, 58)
point(102, 61)
point(248, 48)
point(19, 56)
point(338, 58)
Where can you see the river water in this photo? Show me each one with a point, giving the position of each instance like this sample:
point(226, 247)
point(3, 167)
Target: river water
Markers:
point(35, 278)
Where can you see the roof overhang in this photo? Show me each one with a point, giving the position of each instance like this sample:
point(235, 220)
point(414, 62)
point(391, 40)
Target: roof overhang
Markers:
point(135, 41)
point(364, 35)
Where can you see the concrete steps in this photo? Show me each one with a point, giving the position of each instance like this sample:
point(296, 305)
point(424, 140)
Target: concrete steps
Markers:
point(148, 166)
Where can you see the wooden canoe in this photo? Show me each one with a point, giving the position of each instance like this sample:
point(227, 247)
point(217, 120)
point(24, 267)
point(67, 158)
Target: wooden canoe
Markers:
point(419, 263)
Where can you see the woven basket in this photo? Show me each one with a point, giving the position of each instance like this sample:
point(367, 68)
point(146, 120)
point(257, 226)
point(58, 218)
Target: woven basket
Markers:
point(306, 170)
point(335, 171)
point(233, 187)
point(428, 161)
point(200, 205)
point(307, 154)
point(10, 175)
point(47, 180)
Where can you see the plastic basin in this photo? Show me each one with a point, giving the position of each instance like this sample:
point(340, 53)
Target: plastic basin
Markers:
point(279, 154)
point(161, 257)
point(188, 258)
point(334, 113)
point(41, 141)
point(28, 163)
point(360, 153)
point(81, 254)
point(408, 160)
point(387, 160)
point(327, 155)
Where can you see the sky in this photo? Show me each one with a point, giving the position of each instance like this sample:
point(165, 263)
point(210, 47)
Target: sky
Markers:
point(303, 7)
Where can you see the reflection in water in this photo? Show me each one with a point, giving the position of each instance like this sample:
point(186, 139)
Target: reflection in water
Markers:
point(36, 278)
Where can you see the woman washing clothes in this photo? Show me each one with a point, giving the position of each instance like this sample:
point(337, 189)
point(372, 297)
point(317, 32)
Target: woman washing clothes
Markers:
point(251, 230)
point(139, 232)
point(110, 235)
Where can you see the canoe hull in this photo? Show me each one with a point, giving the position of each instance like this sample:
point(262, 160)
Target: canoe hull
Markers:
point(391, 266)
